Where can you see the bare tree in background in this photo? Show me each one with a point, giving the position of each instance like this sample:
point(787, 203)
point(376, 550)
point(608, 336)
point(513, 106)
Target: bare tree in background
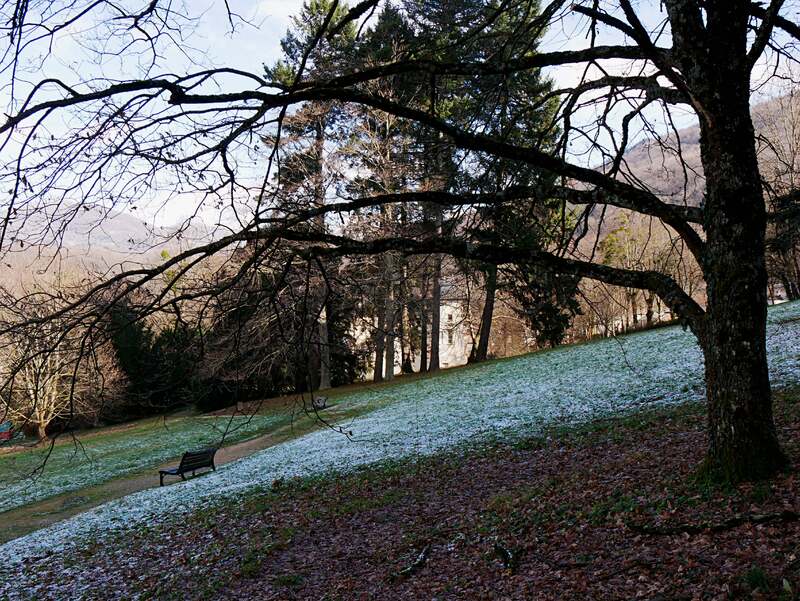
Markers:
point(57, 374)
point(778, 124)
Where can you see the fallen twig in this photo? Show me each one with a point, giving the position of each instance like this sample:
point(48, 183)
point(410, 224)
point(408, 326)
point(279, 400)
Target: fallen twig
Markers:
point(417, 564)
point(509, 557)
point(733, 522)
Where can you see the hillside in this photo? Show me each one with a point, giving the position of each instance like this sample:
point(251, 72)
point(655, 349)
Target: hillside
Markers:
point(676, 174)
point(775, 122)
point(91, 242)
point(507, 401)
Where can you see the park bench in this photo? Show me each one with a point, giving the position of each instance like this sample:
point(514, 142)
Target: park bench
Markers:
point(190, 462)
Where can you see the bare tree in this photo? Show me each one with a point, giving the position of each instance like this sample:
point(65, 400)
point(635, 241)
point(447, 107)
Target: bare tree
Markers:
point(778, 123)
point(50, 374)
point(74, 138)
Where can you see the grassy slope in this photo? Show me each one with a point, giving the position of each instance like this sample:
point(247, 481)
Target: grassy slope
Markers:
point(565, 383)
point(104, 464)
point(565, 503)
point(98, 456)
point(423, 415)
point(93, 457)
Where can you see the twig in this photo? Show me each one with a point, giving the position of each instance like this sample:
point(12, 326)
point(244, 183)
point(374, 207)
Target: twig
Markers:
point(509, 557)
point(418, 564)
point(733, 522)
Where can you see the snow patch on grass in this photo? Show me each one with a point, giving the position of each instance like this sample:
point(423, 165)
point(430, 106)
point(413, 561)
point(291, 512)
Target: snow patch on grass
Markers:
point(98, 458)
point(513, 397)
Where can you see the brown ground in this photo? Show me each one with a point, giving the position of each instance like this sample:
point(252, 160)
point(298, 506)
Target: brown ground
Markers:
point(554, 518)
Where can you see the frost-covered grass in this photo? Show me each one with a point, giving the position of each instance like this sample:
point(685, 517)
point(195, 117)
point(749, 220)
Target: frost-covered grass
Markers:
point(99, 457)
point(505, 398)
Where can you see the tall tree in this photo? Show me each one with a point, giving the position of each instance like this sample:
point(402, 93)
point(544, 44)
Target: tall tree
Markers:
point(490, 287)
point(634, 64)
point(312, 123)
point(779, 156)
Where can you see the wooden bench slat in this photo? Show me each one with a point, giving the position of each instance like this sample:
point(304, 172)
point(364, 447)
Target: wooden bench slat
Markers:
point(191, 462)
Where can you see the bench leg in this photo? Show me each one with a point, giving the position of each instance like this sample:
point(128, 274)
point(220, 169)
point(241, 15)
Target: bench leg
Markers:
point(161, 478)
point(183, 477)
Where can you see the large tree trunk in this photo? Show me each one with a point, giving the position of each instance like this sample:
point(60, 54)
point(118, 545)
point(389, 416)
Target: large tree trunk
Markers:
point(436, 313)
point(743, 441)
point(787, 286)
point(390, 334)
point(379, 339)
point(423, 329)
point(324, 350)
point(406, 342)
point(404, 324)
point(482, 349)
point(648, 301)
point(323, 346)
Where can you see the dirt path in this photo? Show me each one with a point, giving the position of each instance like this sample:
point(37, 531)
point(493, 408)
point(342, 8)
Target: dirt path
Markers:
point(23, 520)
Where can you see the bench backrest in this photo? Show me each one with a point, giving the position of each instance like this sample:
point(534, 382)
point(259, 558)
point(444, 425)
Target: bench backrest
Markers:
point(197, 459)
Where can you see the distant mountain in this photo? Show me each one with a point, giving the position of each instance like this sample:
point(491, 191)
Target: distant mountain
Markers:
point(776, 122)
point(120, 232)
point(124, 233)
point(81, 242)
point(658, 166)
point(662, 171)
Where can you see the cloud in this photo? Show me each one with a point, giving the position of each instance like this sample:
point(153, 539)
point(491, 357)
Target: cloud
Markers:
point(277, 9)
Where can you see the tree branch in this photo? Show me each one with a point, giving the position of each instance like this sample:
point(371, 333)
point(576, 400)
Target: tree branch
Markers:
point(571, 195)
point(640, 200)
point(508, 67)
point(663, 285)
point(793, 29)
point(764, 31)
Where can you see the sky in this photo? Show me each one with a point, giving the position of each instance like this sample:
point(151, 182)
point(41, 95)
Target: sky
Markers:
point(256, 41)
point(254, 44)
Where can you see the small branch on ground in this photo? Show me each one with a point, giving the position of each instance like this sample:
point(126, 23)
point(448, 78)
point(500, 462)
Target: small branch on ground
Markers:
point(509, 557)
point(418, 564)
point(730, 523)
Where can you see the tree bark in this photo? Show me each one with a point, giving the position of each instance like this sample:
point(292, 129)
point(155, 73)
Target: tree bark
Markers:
point(743, 441)
point(423, 329)
point(436, 313)
point(648, 301)
point(379, 340)
point(404, 324)
point(482, 349)
point(323, 346)
point(389, 320)
point(787, 286)
point(324, 350)
point(406, 342)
